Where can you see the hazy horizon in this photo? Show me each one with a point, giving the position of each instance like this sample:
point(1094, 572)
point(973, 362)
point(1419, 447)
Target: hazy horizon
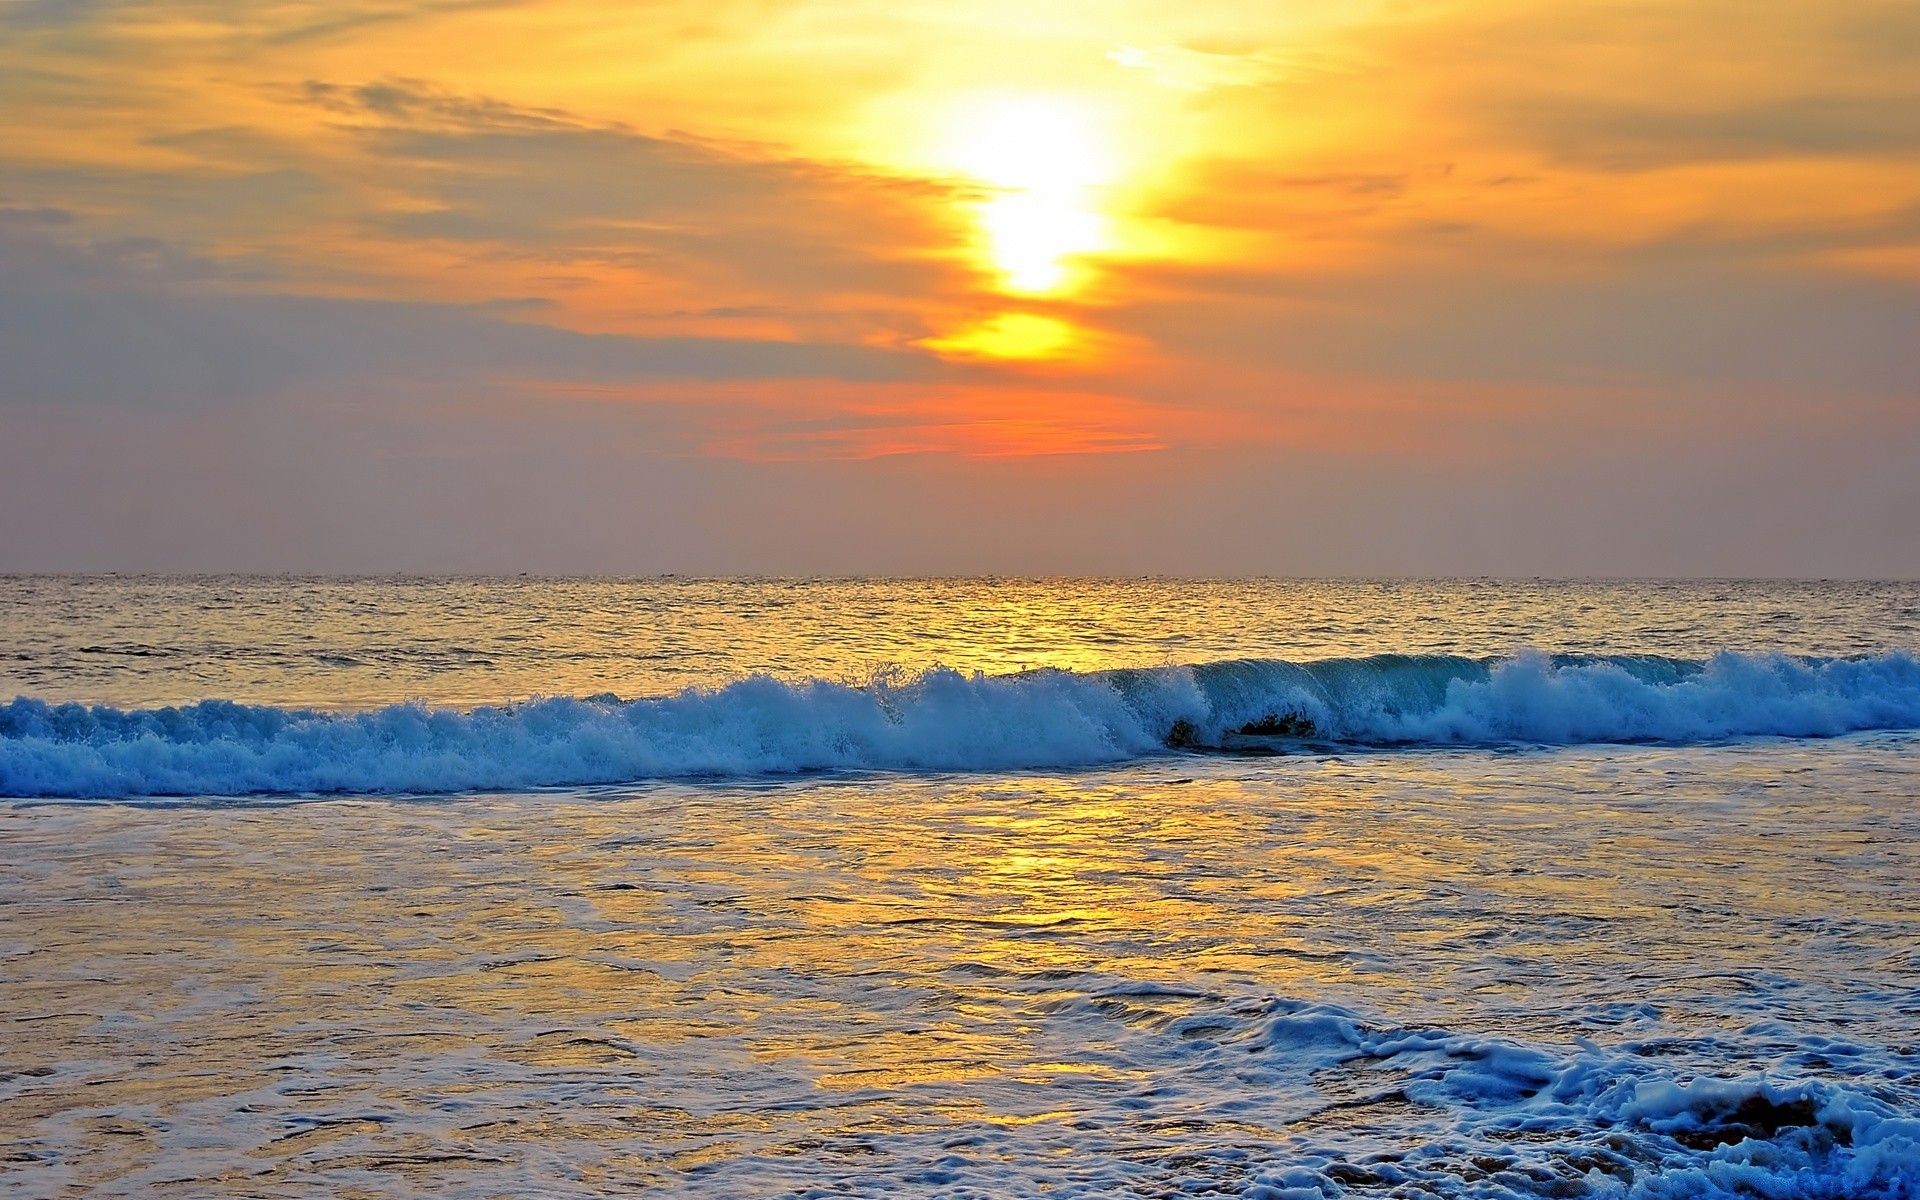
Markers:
point(982, 577)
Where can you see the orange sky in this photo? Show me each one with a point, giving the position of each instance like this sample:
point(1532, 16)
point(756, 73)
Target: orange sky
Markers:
point(1448, 238)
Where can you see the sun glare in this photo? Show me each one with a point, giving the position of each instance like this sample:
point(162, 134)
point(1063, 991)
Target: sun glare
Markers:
point(1043, 157)
point(1011, 336)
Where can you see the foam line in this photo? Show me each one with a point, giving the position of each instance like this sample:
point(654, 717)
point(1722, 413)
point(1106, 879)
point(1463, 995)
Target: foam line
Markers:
point(941, 720)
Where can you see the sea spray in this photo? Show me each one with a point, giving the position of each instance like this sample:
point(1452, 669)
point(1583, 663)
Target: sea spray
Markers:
point(943, 720)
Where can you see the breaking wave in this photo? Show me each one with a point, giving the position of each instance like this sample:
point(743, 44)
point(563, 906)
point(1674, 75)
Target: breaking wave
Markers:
point(944, 720)
point(1428, 1112)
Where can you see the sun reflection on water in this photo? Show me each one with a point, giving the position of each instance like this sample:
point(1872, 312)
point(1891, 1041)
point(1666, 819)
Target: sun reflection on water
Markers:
point(654, 985)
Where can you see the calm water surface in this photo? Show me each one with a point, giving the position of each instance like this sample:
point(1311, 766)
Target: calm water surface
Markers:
point(343, 643)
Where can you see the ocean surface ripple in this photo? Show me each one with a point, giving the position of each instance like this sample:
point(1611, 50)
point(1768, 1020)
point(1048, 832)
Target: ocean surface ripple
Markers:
point(967, 889)
point(1646, 972)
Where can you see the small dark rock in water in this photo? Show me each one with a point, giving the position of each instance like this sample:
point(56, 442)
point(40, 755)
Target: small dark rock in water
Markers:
point(1758, 1117)
point(1184, 735)
point(1278, 725)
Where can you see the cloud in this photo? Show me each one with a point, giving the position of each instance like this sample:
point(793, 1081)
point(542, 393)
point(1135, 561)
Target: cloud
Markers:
point(579, 490)
point(1188, 70)
point(339, 23)
point(51, 14)
point(488, 172)
point(417, 100)
point(34, 216)
point(404, 179)
point(799, 420)
point(209, 203)
point(1635, 85)
point(1636, 136)
point(87, 327)
point(1455, 285)
point(1663, 319)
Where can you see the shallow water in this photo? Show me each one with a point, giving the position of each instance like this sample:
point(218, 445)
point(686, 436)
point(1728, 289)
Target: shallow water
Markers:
point(1493, 968)
point(989, 985)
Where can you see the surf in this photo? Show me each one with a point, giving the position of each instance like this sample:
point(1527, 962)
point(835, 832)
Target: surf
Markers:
point(946, 720)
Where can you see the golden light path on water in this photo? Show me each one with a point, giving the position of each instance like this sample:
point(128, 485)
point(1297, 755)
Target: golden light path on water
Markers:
point(1366, 968)
point(356, 643)
point(1007, 983)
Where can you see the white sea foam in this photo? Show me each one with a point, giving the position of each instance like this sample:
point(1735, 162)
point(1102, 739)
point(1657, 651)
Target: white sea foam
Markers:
point(1522, 1120)
point(1526, 1120)
point(941, 720)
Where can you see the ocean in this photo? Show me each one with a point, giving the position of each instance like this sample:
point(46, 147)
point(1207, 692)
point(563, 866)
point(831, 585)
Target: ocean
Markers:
point(967, 888)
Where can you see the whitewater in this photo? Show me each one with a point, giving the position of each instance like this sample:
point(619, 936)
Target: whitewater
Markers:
point(943, 720)
point(968, 888)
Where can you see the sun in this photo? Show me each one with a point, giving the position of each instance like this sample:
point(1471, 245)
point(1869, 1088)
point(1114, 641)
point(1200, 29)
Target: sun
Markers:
point(1014, 335)
point(1041, 159)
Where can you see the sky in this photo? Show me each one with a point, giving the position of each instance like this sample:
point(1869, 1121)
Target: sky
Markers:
point(1423, 287)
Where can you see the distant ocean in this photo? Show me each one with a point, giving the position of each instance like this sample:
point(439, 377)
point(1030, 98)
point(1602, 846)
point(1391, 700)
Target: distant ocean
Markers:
point(1283, 889)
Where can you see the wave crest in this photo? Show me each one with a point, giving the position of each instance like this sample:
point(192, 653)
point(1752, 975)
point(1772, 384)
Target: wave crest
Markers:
point(943, 720)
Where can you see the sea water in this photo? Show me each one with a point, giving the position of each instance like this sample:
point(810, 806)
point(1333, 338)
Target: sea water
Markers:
point(767, 888)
